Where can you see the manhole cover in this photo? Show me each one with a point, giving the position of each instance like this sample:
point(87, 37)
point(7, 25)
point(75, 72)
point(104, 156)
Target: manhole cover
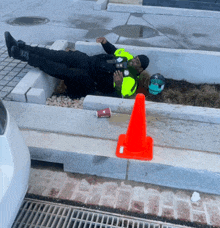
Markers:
point(25, 21)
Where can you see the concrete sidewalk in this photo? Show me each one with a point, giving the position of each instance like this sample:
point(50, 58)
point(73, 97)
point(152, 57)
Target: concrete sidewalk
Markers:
point(120, 23)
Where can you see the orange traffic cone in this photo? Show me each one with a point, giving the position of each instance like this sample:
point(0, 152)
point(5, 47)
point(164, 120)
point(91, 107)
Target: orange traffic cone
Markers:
point(135, 144)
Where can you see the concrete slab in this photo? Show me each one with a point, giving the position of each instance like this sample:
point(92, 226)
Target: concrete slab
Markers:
point(133, 2)
point(170, 167)
point(96, 165)
point(82, 22)
point(37, 96)
point(164, 175)
point(168, 132)
point(150, 36)
point(193, 34)
point(86, 144)
point(162, 10)
point(101, 5)
point(159, 41)
point(125, 106)
point(69, 143)
point(19, 92)
point(75, 162)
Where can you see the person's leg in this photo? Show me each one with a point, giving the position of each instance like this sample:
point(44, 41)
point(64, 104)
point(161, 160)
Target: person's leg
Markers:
point(72, 59)
point(78, 81)
point(57, 70)
point(53, 55)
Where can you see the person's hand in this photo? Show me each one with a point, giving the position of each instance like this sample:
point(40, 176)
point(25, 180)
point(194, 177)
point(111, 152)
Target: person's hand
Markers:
point(101, 40)
point(118, 78)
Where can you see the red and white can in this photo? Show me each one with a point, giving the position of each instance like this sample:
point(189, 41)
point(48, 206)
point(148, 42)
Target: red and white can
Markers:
point(104, 113)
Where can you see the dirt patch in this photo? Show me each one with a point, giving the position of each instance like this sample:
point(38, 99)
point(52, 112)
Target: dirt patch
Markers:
point(175, 92)
point(183, 92)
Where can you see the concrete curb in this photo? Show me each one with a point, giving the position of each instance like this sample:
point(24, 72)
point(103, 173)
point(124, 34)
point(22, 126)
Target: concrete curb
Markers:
point(94, 156)
point(101, 5)
point(166, 132)
point(125, 106)
point(36, 86)
point(129, 8)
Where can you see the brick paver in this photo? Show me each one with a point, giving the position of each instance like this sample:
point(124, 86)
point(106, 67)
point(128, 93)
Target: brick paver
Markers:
point(137, 206)
point(183, 210)
point(168, 212)
point(126, 195)
point(213, 213)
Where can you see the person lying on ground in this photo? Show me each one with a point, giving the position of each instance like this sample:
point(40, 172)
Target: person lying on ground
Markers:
point(116, 72)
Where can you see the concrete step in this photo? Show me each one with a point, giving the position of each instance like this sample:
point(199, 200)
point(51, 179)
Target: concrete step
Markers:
point(185, 152)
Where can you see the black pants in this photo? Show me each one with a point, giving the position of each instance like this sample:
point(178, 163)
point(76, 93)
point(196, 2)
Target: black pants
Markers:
point(57, 64)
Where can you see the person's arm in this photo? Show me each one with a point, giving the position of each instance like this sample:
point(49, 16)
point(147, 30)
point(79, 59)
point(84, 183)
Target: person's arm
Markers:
point(108, 47)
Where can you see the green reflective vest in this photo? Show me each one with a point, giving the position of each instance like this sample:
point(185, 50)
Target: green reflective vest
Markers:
point(130, 78)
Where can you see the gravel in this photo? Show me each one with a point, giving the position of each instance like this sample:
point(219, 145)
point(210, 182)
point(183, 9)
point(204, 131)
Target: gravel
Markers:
point(65, 101)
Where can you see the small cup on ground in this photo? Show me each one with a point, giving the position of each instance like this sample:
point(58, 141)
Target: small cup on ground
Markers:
point(104, 113)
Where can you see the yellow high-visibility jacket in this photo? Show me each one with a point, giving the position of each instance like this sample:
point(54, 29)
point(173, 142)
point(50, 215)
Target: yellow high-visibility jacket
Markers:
point(130, 77)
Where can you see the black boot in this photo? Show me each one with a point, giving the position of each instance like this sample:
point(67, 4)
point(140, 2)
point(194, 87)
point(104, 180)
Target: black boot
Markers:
point(10, 41)
point(20, 54)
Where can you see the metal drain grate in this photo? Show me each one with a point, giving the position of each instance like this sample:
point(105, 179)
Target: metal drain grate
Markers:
point(42, 214)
